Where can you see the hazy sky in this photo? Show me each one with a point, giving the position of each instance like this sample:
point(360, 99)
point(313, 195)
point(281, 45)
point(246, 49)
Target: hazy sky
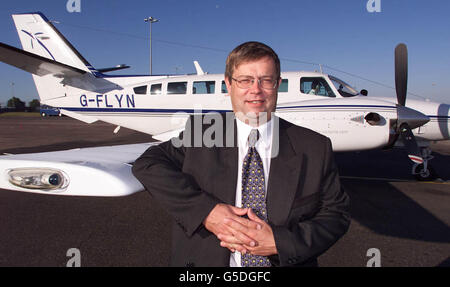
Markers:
point(341, 35)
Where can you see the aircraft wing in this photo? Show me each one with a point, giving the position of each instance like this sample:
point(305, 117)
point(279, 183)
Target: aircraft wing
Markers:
point(168, 135)
point(97, 171)
point(36, 64)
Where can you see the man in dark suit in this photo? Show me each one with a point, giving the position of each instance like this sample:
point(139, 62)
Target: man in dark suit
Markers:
point(266, 193)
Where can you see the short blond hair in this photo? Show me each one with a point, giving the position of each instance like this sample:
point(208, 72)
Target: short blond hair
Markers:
point(250, 51)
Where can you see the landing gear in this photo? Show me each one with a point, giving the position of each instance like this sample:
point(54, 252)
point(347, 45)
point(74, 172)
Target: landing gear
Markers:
point(424, 174)
point(424, 171)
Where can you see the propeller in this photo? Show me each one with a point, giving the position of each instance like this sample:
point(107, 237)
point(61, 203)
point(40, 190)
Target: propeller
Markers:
point(401, 73)
point(406, 117)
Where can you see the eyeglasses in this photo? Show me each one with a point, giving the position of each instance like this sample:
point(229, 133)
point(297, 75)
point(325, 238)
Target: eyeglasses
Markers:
point(265, 83)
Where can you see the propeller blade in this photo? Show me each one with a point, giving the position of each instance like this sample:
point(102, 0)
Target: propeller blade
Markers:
point(410, 144)
point(401, 73)
point(405, 115)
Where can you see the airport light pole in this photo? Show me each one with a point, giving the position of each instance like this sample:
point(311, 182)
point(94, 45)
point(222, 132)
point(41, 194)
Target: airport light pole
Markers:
point(151, 20)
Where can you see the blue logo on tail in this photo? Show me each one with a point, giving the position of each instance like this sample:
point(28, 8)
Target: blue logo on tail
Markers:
point(34, 37)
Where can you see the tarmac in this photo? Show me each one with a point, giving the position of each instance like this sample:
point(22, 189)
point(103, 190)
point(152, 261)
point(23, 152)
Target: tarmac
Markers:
point(405, 220)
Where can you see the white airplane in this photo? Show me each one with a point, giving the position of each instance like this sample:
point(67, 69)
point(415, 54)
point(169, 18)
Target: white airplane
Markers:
point(160, 105)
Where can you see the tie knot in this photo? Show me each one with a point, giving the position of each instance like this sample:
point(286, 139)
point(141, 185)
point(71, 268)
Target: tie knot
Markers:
point(253, 137)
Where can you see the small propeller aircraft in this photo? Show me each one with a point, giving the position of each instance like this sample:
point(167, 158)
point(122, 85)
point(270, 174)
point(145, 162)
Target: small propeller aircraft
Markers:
point(160, 105)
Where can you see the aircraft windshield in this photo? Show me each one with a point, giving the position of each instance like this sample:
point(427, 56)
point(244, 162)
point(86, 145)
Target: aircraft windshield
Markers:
point(343, 88)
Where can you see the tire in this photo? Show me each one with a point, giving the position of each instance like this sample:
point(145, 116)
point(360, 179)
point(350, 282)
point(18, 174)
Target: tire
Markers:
point(426, 175)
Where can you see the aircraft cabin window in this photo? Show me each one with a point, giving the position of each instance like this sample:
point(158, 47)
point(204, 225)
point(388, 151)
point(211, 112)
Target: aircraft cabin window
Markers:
point(141, 90)
point(204, 87)
point(316, 86)
point(155, 89)
point(283, 88)
point(176, 88)
point(224, 88)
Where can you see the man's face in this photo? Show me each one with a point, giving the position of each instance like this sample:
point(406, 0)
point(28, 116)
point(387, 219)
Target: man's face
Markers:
point(254, 101)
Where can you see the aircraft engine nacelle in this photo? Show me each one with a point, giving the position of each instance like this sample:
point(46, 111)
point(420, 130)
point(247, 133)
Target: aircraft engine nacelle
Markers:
point(350, 127)
point(98, 171)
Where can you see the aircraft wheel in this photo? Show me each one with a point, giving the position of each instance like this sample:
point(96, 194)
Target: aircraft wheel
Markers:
point(424, 175)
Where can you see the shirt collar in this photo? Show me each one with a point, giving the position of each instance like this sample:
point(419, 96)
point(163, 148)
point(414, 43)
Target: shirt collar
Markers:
point(265, 132)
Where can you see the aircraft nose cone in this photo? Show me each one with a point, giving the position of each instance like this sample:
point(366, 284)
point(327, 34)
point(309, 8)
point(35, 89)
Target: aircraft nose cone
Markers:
point(412, 117)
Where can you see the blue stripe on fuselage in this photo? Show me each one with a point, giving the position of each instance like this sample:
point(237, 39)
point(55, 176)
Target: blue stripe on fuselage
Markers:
point(128, 110)
point(109, 109)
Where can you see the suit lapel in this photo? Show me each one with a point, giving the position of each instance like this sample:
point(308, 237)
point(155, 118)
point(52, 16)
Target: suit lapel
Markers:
point(228, 179)
point(229, 157)
point(283, 176)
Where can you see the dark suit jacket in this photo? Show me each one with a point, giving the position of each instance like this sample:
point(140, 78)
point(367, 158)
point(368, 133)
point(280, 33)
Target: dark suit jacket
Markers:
point(306, 207)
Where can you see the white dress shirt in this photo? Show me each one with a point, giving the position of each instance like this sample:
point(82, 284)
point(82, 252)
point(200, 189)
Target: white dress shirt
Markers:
point(264, 148)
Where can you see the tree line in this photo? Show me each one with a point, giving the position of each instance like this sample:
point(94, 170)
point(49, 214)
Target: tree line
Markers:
point(17, 105)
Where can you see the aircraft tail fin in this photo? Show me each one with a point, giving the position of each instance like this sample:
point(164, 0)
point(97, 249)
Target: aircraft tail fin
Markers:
point(38, 36)
point(58, 68)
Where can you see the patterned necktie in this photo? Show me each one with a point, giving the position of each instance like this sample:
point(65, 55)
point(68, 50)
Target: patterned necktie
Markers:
point(253, 194)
